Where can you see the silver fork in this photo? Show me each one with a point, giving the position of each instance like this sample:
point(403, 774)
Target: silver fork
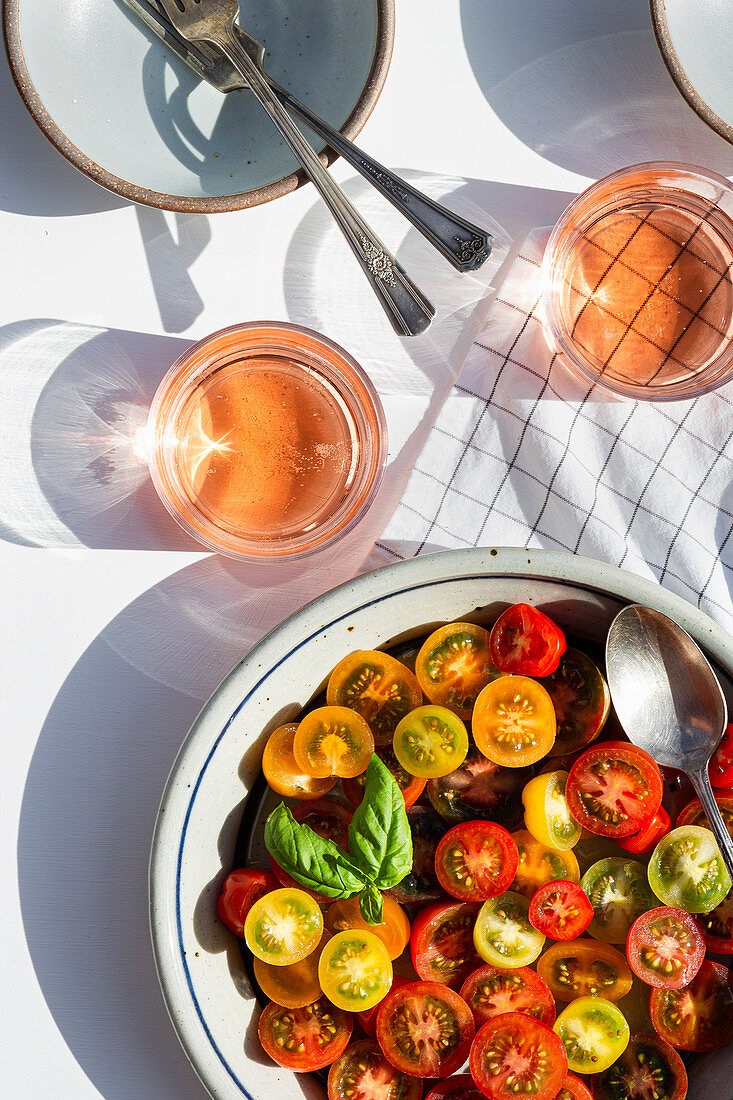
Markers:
point(409, 311)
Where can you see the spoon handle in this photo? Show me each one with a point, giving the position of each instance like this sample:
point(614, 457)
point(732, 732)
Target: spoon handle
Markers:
point(701, 783)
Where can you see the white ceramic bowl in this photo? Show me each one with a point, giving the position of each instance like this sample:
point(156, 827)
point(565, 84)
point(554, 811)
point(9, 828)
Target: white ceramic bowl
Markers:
point(201, 973)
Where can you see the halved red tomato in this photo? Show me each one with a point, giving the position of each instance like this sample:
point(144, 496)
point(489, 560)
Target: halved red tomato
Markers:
point(693, 813)
point(515, 1057)
point(647, 839)
point(304, 1039)
point(378, 687)
point(410, 785)
point(525, 642)
point(649, 1067)
point(453, 665)
point(720, 768)
point(614, 789)
point(581, 700)
point(585, 968)
point(458, 1087)
point(491, 991)
point(421, 884)
point(333, 741)
point(441, 942)
point(425, 1029)
point(717, 927)
point(700, 1015)
point(368, 1018)
point(573, 1088)
point(330, 820)
point(476, 860)
point(480, 789)
point(665, 947)
point(241, 889)
point(363, 1073)
point(560, 910)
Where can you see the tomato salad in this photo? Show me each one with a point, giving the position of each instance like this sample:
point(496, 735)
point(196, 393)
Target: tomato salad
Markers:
point(473, 895)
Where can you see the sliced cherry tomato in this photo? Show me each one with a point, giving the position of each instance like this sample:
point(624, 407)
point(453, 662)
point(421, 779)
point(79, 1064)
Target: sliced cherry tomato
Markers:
point(492, 990)
point(619, 892)
point(241, 889)
point(363, 1073)
point(355, 970)
point(560, 910)
point(330, 820)
point(700, 1015)
point(503, 935)
point(394, 931)
point(515, 1057)
point(717, 927)
point(573, 1089)
point(581, 700)
point(539, 864)
point(480, 789)
point(283, 774)
point(376, 685)
point(421, 884)
point(453, 665)
point(693, 813)
point(425, 1029)
point(430, 741)
point(368, 1019)
point(283, 927)
point(614, 789)
point(594, 1034)
point(665, 947)
point(304, 1039)
point(293, 986)
point(686, 870)
point(476, 860)
point(648, 1068)
point(333, 741)
point(546, 812)
point(585, 969)
point(525, 642)
point(720, 768)
point(441, 943)
point(514, 721)
point(458, 1087)
point(648, 838)
point(411, 786)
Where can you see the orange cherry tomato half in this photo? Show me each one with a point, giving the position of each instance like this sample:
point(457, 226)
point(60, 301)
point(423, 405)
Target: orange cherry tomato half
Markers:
point(425, 1029)
point(411, 786)
point(453, 665)
point(700, 1015)
point(333, 741)
point(573, 1088)
point(293, 986)
point(283, 774)
point(476, 860)
point(363, 1073)
point(515, 1057)
point(493, 990)
point(585, 968)
point(539, 864)
point(525, 642)
point(560, 910)
point(514, 721)
point(376, 685)
point(304, 1039)
point(241, 889)
point(614, 789)
point(394, 931)
point(665, 947)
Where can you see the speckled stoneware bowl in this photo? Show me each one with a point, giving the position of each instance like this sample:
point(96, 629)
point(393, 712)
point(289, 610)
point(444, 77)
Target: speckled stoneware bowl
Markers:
point(118, 104)
point(199, 964)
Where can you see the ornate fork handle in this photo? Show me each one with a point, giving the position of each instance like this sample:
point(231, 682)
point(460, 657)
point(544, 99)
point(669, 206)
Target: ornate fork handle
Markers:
point(409, 311)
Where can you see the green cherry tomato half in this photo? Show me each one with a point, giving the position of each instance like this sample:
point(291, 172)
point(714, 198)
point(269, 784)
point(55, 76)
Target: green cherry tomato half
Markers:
point(283, 927)
point(430, 742)
point(594, 1034)
point(503, 934)
point(619, 892)
point(546, 812)
point(355, 970)
point(686, 870)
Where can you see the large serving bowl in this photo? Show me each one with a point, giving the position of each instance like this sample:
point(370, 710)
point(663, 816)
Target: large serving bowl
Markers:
point(209, 998)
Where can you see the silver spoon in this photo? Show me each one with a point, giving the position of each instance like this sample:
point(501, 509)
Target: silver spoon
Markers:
point(668, 701)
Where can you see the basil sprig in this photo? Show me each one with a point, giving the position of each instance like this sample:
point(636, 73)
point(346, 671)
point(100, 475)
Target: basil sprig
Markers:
point(380, 846)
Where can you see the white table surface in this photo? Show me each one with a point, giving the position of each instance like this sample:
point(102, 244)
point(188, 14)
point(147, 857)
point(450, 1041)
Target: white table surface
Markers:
point(115, 629)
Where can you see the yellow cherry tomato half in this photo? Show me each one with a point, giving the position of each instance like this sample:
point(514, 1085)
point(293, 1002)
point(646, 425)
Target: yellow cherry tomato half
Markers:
point(453, 665)
point(283, 774)
point(539, 864)
point(293, 986)
point(594, 1033)
point(333, 741)
point(431, 742)
point(394, 931)
point(514, 721)
point(503, 934)
point(376, 685)
point(283, 927)
point(546, 812)
point(355, 970)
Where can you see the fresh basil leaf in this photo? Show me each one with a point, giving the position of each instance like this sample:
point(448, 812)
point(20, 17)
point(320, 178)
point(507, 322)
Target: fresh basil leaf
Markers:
point(370, 905)
point(310, 859)
point(380, 842)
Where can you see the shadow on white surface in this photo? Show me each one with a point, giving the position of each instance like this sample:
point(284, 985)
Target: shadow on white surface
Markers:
point(169, 261)
point(584, 85)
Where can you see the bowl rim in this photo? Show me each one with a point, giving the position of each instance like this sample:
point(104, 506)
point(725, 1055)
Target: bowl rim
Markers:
point(315, 618)
point(192, 204)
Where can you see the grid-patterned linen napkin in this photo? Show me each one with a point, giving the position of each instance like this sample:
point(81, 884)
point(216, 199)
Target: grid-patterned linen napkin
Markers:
point(523, 453)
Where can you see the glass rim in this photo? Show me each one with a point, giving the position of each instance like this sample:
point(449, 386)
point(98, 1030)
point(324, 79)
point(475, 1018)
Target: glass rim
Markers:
point(338, 368)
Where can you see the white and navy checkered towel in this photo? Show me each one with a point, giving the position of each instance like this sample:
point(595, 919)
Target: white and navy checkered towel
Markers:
point(522, 453)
